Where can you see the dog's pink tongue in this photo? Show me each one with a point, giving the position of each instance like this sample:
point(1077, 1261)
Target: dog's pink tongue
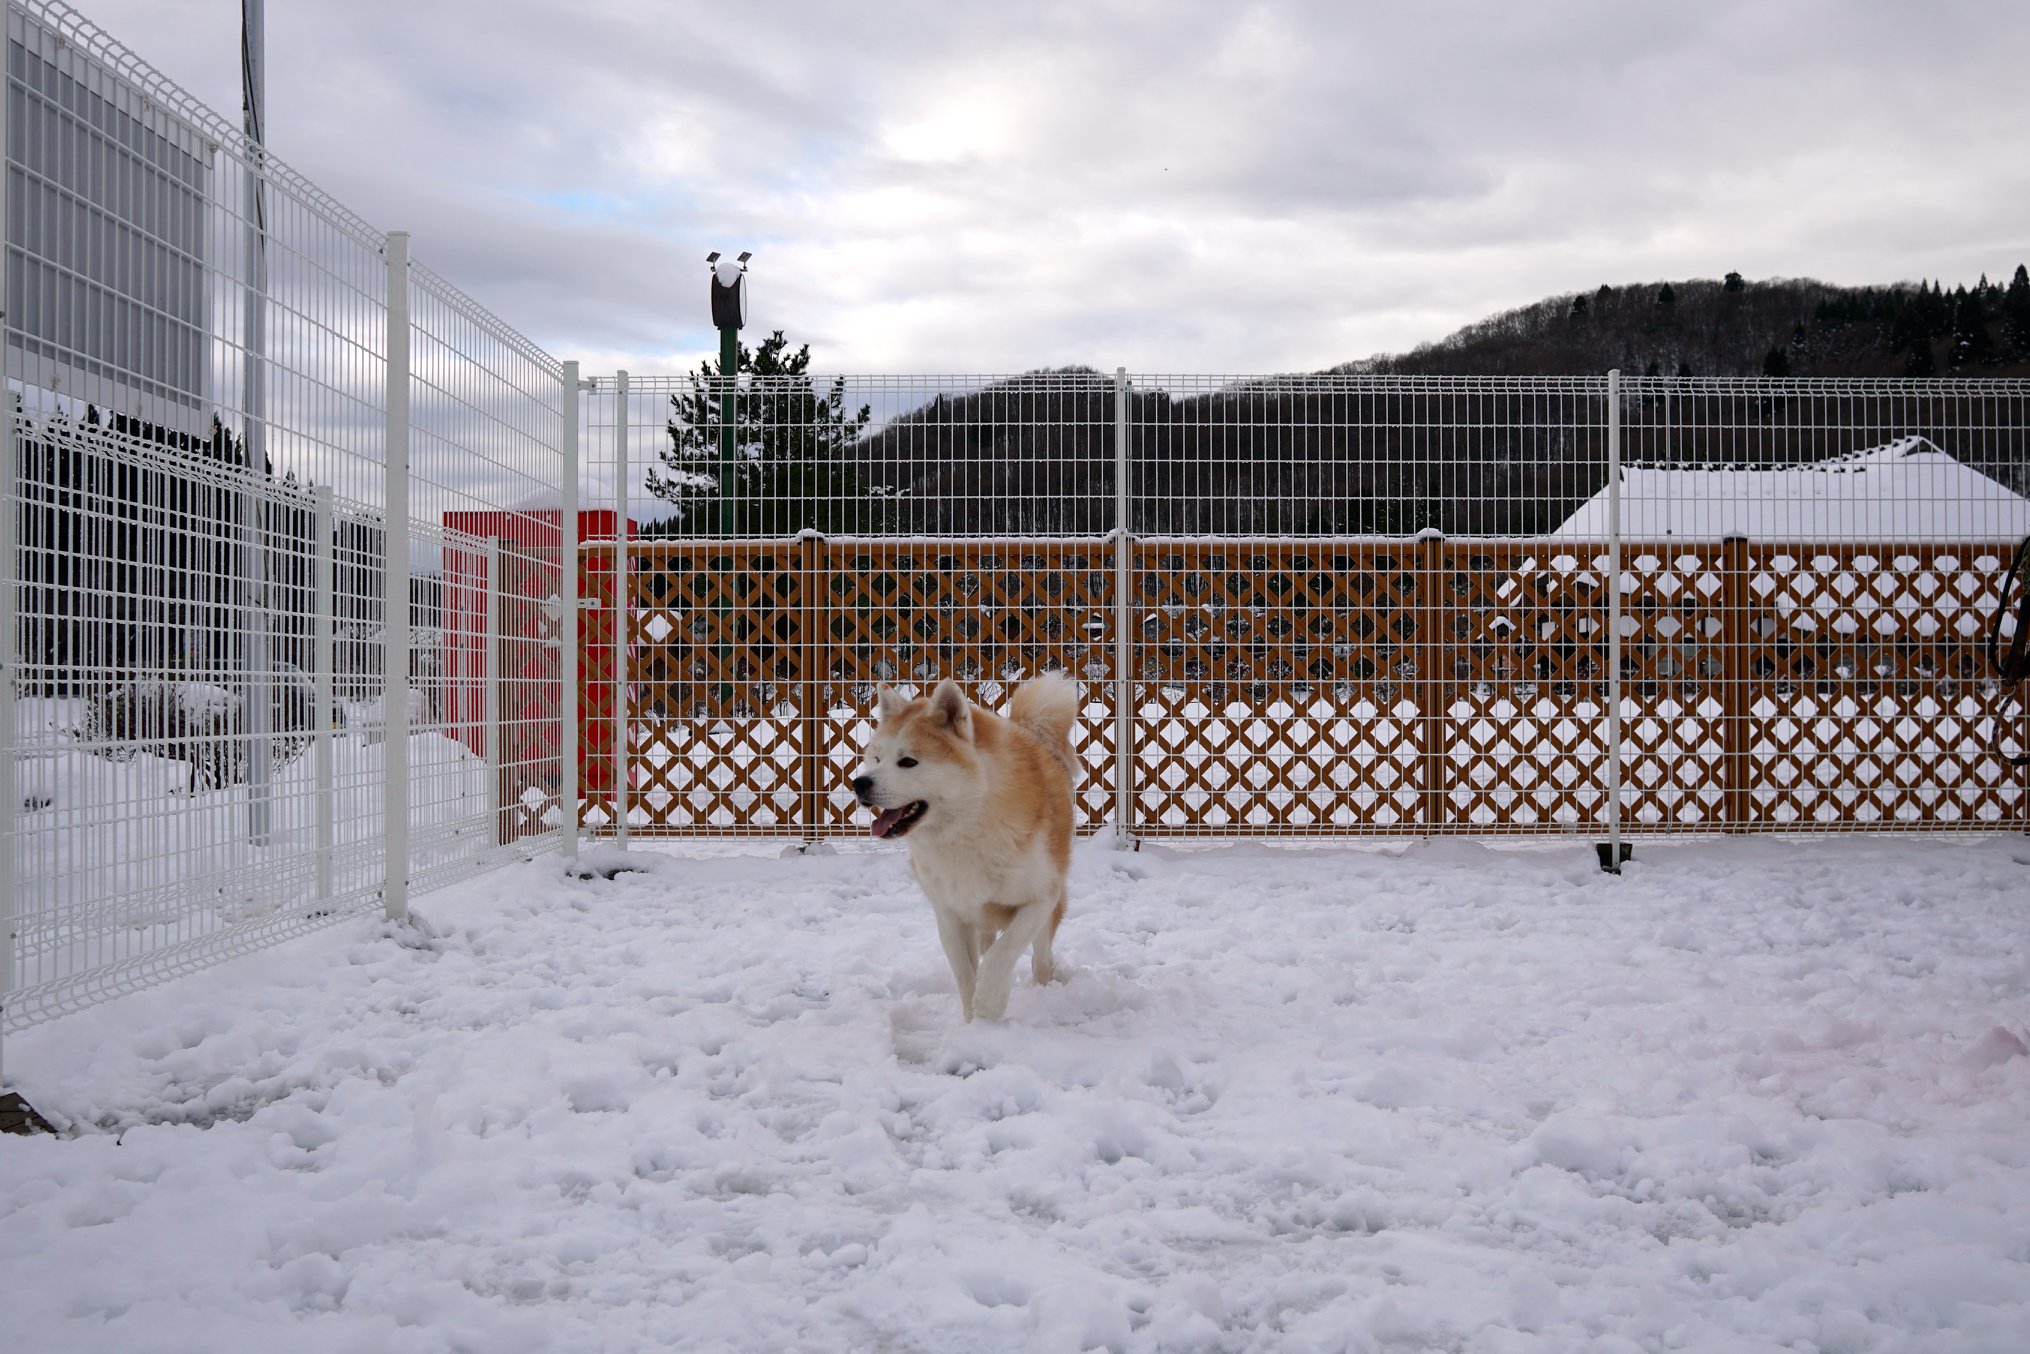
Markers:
point(885, 821)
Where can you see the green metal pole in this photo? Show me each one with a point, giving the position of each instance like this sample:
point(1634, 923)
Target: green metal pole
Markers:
point(729, 375)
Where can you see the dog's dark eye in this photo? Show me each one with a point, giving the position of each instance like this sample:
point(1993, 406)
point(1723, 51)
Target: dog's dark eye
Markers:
point(905, 762)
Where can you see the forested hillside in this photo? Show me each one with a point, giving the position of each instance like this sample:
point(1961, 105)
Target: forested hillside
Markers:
point(1342, 453)
point(1733, 327)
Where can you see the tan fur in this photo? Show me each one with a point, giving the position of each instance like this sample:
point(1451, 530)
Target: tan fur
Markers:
point(994, 843)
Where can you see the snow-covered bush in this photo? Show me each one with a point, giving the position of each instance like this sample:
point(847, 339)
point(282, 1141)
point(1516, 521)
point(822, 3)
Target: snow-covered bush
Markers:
point(202, 723)
point(360, 662)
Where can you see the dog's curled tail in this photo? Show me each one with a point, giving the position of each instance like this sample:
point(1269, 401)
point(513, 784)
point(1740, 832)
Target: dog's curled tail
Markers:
point(1044, 708)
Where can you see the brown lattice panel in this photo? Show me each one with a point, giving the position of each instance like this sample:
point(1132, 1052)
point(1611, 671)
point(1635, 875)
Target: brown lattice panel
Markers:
point(1868, 701)
point(1683, 640)
point(531, 691)
point(599, 635)
point(1519, 687)
point(754, 665)
point(985, 613)
point(719, 648)
point(1278, 687)
point(1326, 688)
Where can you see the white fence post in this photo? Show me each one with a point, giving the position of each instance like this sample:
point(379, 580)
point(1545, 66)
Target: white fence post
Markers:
point(1613, 861)
point(1124, 638)
point(256, 657)
point(567, 620)
point(395, 594)
point(11, 498)
point(621, 600)
point(324, 790)
point(489, 700)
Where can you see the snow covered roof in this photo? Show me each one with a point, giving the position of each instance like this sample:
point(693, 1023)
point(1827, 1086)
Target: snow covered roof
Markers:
point(1906, 490)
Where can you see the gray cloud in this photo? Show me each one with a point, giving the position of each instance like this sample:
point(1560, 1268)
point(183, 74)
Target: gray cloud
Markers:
point(1192, 186)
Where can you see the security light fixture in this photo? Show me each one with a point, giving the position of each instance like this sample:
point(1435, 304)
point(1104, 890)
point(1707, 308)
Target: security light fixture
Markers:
point(729, 290)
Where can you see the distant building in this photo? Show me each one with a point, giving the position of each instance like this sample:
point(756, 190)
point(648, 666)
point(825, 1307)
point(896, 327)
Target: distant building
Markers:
point(1904, 491)
point(108, 303)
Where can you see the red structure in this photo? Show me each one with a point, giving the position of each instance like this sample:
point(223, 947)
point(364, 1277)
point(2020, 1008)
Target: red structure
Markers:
point(520, 606)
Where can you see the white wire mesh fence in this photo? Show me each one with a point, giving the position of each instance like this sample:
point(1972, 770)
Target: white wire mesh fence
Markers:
point(309, 606)
point(1812, 570)
point(1317, 605)
point(265, 614)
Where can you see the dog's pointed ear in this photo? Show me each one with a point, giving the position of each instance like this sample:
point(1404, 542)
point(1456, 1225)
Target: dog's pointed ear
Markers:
point(886, 702)
point(949, 707)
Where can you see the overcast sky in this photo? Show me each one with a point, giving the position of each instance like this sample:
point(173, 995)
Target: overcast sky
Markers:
point(1170, 187)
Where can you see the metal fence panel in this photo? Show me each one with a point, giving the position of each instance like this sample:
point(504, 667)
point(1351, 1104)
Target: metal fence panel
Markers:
point(1317, 605)
point(295, 544)
point(1813, 568)
point(202, 541)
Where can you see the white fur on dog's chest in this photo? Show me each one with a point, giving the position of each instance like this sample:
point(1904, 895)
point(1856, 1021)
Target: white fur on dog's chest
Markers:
point(962, 883)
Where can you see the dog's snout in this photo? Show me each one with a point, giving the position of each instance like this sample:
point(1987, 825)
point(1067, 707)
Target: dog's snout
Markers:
point(863, 786)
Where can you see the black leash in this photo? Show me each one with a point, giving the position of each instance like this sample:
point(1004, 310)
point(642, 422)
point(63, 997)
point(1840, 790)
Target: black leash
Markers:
point(2012, 666)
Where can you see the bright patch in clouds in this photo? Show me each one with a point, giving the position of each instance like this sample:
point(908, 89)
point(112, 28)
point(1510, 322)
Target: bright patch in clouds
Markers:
point(956, 122)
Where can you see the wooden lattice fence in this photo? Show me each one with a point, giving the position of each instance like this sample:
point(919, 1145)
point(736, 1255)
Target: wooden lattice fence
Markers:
point(1324, 688)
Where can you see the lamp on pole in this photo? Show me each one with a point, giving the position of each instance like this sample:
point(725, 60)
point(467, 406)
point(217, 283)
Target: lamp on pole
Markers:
point(729, 312)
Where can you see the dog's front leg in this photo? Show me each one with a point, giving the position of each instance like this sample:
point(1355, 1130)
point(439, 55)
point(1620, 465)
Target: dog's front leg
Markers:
point(997, 965)
point(963, 950)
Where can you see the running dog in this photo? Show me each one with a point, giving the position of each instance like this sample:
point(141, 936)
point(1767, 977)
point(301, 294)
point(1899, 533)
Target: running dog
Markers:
point(986, 805)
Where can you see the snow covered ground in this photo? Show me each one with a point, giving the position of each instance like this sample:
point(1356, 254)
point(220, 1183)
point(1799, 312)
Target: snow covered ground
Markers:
point(121, 864)
point(1750, 1096)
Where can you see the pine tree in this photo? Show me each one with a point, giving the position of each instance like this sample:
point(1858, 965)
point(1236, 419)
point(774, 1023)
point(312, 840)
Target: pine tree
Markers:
point(793, 452)
point(2015, 310)
point(1920, 362)
point(1972, 344)
point(1934, 313)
